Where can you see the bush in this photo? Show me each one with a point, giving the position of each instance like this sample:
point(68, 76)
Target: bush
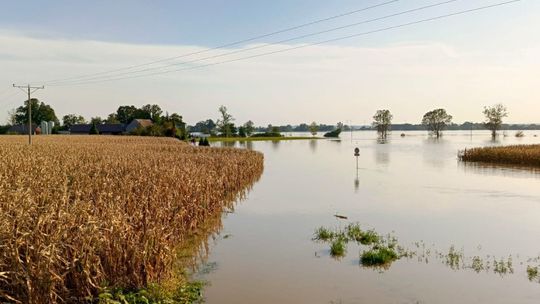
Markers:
point(334, 133)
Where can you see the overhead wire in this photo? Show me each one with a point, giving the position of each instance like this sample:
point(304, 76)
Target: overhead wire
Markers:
point(348, 13)
point(304, 45)
point(266, 45)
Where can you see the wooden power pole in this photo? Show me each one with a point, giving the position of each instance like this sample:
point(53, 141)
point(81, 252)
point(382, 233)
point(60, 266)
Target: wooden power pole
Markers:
point(29, 90)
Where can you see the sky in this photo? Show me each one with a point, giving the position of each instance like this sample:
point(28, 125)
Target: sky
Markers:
point(461, 63)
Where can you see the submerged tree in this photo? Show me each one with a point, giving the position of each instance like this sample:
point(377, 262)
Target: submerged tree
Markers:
point(494, 118)
point(249, 127)
point(225, 124)
point(382, 121)
point(436, 121)
point(313, 128)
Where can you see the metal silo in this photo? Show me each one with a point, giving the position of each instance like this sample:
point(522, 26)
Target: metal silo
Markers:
point(50, 126)
point(44, 127)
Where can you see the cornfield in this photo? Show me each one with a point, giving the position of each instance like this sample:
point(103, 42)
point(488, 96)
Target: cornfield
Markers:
point(78, 213)
point(526, 155)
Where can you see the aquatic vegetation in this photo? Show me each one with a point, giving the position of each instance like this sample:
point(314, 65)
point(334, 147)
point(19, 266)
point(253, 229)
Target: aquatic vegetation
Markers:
point(83, 214)
point(382, 251)
point(503, 267)
point(533, 273)
point(454, 258)
point(338, 248)
point(369, 237)
point(323, 234)
point(477, 264)
point(378, 255)
point(526, 155)
point(354, 232)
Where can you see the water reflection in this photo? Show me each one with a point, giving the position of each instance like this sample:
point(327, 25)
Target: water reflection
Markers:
point(499, 170)
point(313, 145)
point(275, 144)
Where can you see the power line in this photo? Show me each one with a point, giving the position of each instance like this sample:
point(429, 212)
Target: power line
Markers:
point(304, 45)
point(268, 44)
point(29, 90)
point(80, 77)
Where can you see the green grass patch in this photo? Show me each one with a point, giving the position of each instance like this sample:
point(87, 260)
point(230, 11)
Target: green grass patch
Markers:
point(188, 293)
point(323, 234)
point(378, 256)
point(338, 247)
point(533, 273)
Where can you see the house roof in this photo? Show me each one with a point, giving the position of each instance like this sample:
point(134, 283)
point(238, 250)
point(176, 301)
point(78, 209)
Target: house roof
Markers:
point(144, 122)
point(21, 129)
point(102, 128)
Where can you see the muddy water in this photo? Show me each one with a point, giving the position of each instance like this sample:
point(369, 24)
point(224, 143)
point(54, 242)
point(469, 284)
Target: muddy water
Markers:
point(412, 186)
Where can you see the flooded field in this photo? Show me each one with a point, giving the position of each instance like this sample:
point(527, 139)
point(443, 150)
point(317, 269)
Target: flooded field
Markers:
point(470, 231)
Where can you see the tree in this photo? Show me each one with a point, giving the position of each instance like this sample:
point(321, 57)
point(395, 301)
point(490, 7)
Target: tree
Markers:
point(112, 119)
point(494, 118)
point(12, 118)
point(97, 120)
point(382, 121)
point(152, 112)
point(313, 128)
point(125, 114)
point(339, 125)
point(225, 124)
point(249, 127)
point(275, 131)
point(72, 119)
point(242, 131)
point(435, 121)
point(94, 130)
point(40, 112)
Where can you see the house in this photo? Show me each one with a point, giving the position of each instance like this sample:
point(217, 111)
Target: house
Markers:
point(138, 123)
point(105, 129)
point(21, 129)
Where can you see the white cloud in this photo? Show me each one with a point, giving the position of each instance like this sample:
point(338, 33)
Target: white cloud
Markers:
point(323, 83)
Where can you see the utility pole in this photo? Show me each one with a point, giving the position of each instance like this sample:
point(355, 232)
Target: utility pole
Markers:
point(29, 89)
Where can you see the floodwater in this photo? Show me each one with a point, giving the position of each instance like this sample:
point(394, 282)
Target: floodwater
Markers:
point(413, 187)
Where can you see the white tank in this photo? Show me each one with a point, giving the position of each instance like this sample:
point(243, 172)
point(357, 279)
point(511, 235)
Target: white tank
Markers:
point(50, 126)
point(44, 126)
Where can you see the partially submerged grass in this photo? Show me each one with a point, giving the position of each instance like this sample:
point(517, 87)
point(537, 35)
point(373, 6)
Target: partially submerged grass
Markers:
point(378, 256)
point(523, 155)
point(338, 247)
point(323, 234)
point(533, 273)
point(83, 215)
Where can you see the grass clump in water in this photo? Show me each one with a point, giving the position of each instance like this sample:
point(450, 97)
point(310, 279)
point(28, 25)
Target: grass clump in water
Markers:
point(533, 273)
point(324, 234)
point(369, 237)
point(338, 247)
point(378, 255)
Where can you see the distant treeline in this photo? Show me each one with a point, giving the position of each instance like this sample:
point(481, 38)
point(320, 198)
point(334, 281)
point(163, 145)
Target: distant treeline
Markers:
point(463, 126)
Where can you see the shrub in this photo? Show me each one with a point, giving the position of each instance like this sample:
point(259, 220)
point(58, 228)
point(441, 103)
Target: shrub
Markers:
point(334, 133)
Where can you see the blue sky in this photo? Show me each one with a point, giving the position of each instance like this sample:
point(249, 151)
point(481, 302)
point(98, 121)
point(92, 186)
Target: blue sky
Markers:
point(486, 41)
point(210, 23)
